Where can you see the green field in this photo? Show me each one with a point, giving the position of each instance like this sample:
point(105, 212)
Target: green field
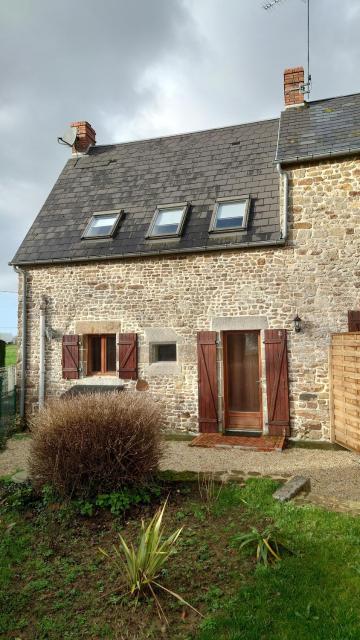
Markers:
point(10, 354)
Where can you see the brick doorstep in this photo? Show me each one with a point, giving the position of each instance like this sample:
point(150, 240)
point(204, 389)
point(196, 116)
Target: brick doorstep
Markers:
point(244, 443)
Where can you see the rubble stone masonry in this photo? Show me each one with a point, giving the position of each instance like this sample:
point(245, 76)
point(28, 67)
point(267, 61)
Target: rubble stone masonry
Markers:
point(316, 274)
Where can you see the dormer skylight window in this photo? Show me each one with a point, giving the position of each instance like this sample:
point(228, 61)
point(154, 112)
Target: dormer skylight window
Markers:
point(168, 221)
point(102, 225)
point(230, 214)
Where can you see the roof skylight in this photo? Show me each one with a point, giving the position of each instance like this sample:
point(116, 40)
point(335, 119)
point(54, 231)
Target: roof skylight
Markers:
point(230, 214)
point(102, 225)
point(168, 220)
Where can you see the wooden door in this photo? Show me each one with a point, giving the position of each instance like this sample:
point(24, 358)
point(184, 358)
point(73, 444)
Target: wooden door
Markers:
point(207, 380)
point(353, 321)
point(277, 383)
point(242, 375)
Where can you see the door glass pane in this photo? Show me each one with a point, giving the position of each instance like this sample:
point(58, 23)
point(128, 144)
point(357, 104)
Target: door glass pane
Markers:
point(243, 371)
point(110, 353)
point(96, 353)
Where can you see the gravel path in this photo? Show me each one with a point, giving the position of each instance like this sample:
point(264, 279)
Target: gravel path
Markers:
point(333, 474)
point(14, 457)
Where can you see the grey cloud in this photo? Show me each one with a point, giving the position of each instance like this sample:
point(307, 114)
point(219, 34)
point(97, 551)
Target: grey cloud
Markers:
point(147, 67)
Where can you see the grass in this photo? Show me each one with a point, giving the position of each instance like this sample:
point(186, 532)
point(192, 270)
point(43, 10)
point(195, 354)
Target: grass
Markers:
point(10, 354)
point(54, 583)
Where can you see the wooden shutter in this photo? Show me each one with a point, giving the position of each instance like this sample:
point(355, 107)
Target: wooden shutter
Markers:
point(127, 356)
point(70, 357)
point(277, 385)
point(208, 393)
point(353, 320)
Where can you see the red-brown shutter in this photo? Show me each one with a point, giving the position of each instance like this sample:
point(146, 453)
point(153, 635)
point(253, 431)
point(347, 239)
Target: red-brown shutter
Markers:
point(208, 393)
point(353, 320)
point(70, 357)
point(277, 385)
point(127, 356)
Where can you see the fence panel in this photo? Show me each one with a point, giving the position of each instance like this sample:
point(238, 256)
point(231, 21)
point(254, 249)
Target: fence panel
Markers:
point(345, 389)
point(7, 398)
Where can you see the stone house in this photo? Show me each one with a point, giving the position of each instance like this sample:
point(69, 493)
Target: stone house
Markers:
point(210, 268)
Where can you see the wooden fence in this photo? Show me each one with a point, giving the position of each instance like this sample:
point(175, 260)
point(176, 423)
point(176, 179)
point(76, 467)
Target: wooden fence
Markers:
point(345, 389)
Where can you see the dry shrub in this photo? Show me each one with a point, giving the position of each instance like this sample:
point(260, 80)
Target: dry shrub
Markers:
point(95, 443)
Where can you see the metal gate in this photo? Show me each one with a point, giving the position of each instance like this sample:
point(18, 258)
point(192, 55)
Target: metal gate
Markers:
point(7, 399)
point(345, 389)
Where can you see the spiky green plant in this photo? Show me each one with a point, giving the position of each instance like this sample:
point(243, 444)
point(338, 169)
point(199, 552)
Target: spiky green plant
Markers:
point(268, 547)
point(141, 567)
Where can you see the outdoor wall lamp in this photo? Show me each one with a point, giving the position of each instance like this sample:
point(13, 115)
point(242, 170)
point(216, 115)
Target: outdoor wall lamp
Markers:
point(297, 324)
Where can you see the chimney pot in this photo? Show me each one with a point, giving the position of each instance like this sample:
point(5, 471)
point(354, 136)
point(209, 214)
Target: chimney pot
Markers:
point(86, 137)
point(293, 83)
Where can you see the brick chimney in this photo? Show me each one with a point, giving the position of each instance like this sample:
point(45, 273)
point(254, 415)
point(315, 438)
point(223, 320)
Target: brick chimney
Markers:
point(86, 137)
point(293, 81)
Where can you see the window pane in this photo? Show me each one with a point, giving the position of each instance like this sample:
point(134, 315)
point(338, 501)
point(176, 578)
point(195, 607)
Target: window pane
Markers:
point(95, 344)
point(230, 214)
point(110, 353)
point(164, 352)
point(101, 225)
point(167, 221)
point(243, 371)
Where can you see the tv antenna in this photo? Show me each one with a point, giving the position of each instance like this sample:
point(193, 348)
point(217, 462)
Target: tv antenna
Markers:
point(68, 137)
point(306, 88)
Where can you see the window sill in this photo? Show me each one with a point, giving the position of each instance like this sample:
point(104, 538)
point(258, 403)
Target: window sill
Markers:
point(112, 380)
point(163, 369)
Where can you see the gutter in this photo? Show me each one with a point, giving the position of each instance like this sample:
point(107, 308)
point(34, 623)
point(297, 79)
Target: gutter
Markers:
point(284, 175)
point(42, 352)
point(153, 254)
point(22, 272)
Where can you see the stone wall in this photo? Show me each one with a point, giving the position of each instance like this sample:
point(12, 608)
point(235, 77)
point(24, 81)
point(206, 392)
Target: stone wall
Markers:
point(317, 275)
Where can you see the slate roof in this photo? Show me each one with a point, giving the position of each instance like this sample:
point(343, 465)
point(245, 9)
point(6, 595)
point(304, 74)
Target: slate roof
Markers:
point(138, 176)
point(320, 128)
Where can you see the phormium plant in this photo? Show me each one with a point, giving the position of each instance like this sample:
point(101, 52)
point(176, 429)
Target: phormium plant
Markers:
point(141, 566)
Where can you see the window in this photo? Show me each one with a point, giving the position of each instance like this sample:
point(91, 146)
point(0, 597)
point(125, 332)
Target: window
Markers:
point(163, 352)
point(101, 354)
point(230, 214)
point(102, 225)
point(168, 220)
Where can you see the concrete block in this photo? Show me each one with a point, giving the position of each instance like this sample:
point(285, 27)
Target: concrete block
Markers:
point(291, 488)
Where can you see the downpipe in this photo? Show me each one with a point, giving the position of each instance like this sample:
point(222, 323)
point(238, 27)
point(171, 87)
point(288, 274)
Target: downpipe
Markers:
point(284, 175)
point(42, 352)
point(22, 272)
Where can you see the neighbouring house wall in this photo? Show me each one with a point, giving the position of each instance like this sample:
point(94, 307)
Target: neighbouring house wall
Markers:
point(316, 275)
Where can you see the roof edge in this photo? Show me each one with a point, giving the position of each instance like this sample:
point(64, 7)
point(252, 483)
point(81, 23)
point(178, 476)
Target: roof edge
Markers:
point(321, 156)
point(185, 133)
point(148, 254)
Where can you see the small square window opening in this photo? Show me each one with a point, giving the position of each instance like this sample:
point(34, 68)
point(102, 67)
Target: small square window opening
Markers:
point(163, 352)
point(102, 225)
point(230, 214)
point(168, 221)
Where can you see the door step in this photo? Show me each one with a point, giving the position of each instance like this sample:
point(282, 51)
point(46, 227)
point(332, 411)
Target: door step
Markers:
point(249, 443)
point(248, 433)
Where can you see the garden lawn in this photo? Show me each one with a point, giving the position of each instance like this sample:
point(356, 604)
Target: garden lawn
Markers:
point(10, 354)
point(55, 584)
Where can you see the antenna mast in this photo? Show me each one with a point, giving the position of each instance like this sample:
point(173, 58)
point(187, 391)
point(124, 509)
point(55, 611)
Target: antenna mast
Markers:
point(306, 88)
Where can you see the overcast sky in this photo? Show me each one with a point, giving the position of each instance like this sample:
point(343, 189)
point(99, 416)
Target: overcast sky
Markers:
point(143, 68)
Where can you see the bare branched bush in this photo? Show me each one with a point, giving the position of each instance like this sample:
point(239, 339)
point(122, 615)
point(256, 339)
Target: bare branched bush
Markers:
point(95, 443)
